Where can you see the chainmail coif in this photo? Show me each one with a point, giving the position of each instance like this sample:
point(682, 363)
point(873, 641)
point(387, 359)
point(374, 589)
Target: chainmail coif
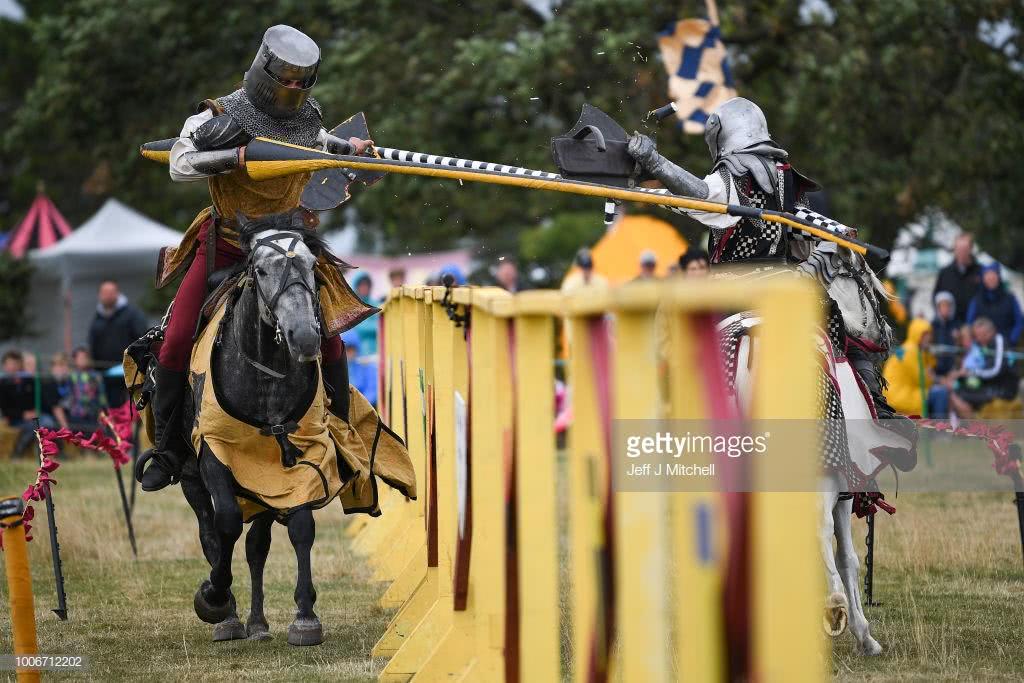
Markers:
point(301, 128)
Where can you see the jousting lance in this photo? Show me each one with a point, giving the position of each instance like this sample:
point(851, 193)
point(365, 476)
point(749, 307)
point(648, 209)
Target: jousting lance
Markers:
point(265, 159)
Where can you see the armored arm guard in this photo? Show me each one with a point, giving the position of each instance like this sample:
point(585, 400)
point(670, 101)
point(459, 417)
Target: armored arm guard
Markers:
point(214, 162)
point(216, 142)
point(675, 178)
point(336, 145)
point(220, 132)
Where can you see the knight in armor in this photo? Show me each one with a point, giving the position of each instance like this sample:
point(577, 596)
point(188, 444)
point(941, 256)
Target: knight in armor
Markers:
point(751, 169)
point(275, 103)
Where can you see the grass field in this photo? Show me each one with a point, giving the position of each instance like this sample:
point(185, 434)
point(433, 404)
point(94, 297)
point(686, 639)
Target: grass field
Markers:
point(948, 573)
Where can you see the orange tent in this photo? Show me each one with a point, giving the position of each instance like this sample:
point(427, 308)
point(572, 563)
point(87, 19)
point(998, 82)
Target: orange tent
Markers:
point(617, 254)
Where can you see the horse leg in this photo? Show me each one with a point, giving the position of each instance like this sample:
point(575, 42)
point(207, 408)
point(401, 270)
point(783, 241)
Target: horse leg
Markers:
point(202, 505)
point(214, 601)
point(849, 569)
point(836, 606)
point(306, 629)
point(257, 548)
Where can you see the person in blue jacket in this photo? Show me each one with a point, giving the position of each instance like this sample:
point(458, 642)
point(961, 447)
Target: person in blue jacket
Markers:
point(362, 370)
point(995, 302)
point(362, 283)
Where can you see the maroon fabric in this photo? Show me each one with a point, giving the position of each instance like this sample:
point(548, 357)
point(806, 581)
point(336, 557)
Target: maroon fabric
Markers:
point(176, 350)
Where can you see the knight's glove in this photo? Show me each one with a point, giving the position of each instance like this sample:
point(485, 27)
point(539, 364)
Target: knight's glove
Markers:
point(336, 145)
point(215, 162)
point(822, 264)
point(675, 178)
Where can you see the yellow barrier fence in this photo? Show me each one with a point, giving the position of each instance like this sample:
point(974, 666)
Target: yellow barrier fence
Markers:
point(519, 562)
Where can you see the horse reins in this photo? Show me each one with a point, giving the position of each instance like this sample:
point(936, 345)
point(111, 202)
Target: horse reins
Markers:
point(290, 278)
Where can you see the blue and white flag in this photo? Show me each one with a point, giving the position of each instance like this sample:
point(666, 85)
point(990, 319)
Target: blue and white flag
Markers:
point(697, 64)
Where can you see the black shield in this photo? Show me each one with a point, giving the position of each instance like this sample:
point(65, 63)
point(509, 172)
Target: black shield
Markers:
point(329, 188)
point(594, 150)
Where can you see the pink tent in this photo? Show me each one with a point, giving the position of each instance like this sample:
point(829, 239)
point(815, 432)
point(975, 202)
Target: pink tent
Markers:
point(43, 222)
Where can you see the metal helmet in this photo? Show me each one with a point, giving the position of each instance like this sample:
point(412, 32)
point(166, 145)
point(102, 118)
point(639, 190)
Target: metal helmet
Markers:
point(286, 55)
point(734, 125)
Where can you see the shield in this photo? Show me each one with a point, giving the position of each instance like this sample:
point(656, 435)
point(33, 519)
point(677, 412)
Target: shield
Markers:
point(594, 150)
point(329, 188)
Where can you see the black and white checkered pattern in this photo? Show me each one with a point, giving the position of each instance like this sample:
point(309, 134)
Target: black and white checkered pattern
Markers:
point(455, 162)
point(823, 222)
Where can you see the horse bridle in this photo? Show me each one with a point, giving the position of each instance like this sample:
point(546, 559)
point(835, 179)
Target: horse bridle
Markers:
point(290, 277)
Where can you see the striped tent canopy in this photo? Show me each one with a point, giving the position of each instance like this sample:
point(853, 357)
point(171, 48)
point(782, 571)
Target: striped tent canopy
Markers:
point(42, 227)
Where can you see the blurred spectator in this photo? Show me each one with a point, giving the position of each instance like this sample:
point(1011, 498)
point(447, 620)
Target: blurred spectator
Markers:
point(962, 277)
point(648, 265)
point(506, 273)
point(18, 401)
point(84, 394)
point(585, 276)
point(995, 302)
point(29, 362)
point(944, 331)
point(458, 277)
point(694, 262)
point(116, 325)
point(367, 330)
point(362, 372)
point(987, 374)
point(396, 276)
point(908, 371)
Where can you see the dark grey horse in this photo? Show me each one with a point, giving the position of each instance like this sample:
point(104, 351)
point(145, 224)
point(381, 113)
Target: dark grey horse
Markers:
point(264, 373)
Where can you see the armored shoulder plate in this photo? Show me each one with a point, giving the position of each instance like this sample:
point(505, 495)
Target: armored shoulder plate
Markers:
point(220, 132)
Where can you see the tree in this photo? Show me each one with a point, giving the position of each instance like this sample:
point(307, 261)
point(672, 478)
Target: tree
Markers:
point(895, 105)
point(15, 282)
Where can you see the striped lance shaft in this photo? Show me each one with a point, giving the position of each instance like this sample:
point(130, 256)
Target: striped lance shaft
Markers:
point(392, 154)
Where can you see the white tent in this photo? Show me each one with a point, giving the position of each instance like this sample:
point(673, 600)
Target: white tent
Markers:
point(117, 243)
point(116, 240)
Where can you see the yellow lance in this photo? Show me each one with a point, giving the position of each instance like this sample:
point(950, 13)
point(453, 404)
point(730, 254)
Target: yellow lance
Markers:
point(264, 159)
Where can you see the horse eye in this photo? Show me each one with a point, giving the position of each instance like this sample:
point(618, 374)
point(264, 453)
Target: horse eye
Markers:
point(260, 271)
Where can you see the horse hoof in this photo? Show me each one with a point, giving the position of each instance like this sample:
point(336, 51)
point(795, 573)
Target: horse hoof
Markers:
point(212, 614)
point(229, 629)
point(305, 632)
point(837, 615)
point(870, 648)
point(258, 631)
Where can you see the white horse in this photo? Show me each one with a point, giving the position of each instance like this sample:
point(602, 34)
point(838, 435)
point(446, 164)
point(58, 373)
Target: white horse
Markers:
point(850, 413)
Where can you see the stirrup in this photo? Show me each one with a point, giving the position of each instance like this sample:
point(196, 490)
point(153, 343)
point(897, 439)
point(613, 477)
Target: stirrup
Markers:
point(161, 462)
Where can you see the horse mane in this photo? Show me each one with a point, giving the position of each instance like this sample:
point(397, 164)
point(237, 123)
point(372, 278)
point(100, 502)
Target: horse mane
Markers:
point(290, 221)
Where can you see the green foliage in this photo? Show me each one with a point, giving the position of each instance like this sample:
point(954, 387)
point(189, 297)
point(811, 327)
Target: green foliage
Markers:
point(15, 282)
point(895, 105)
point(554, 243)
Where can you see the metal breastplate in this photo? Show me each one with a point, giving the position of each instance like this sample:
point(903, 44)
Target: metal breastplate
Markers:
point(300, 129)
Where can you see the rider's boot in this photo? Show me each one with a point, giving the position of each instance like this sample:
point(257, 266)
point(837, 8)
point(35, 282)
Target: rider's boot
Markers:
point(169, 453)
point(336, 385)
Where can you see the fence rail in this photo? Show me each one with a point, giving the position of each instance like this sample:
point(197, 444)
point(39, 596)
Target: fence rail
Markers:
point(508, 549)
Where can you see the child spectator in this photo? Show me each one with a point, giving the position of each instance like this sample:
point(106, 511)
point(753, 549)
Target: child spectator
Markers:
point(85, 396)
point(908, 371)
point(18, 400)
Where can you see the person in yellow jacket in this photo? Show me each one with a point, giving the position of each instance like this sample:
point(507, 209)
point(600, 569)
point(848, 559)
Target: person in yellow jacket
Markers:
point(908, 371)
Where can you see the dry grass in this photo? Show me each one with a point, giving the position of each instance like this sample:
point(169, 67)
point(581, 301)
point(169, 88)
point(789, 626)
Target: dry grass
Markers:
point(948, 571)
point(134, 619)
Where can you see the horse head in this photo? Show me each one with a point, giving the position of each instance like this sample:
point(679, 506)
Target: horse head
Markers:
point(280, 260)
